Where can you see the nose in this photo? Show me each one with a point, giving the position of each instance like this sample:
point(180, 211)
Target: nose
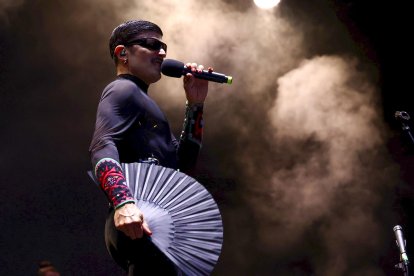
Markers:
point(162, 52)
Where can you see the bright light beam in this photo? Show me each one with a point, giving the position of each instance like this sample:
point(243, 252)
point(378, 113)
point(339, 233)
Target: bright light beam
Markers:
point(266, 4)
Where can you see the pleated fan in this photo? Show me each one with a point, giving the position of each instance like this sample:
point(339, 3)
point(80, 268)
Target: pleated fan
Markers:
point(184, 219)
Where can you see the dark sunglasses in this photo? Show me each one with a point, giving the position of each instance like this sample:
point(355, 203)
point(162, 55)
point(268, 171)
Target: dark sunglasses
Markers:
point(148, 43)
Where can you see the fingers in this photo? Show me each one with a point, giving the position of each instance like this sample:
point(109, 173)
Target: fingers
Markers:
point(130, 221)
point(194, 67)
point(195, 87)
point(136, 227)
point(130, 226)
point(189, 79)
point(146, 228)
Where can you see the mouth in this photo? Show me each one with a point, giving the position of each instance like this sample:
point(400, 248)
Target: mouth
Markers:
point(157, 61)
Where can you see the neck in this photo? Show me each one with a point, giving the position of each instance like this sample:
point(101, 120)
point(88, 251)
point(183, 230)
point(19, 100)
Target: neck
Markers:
point(136, 80)
point(122, 70)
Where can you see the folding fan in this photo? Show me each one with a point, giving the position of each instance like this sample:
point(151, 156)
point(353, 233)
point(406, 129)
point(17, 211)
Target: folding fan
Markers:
point(184, 219)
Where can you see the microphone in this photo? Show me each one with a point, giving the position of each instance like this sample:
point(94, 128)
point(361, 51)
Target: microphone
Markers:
point(404, 118)
point(401, 243)
point(176, 69)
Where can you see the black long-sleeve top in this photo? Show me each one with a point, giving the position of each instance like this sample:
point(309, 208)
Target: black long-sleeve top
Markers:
point(130, 127)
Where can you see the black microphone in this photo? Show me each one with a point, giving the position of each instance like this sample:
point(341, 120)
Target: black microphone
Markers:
point(176, 69)
point(404, 118)
point(401, 243)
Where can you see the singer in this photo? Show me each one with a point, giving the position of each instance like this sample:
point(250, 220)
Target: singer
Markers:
point(130, 127)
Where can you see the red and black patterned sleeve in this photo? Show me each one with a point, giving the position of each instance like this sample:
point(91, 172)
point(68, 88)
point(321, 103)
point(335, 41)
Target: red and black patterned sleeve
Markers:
point(191, 137)
point(112, 181)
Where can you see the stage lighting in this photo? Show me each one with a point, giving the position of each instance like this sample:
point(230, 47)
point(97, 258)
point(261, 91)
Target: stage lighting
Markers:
point(266, 4)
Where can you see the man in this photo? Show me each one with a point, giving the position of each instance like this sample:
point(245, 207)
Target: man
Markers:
point(130, 127)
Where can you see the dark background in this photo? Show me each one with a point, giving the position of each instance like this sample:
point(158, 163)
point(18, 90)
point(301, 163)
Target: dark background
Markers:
point(51, 73)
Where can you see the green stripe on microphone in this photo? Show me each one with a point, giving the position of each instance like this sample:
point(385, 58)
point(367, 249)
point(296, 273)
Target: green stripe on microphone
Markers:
point(229, 79)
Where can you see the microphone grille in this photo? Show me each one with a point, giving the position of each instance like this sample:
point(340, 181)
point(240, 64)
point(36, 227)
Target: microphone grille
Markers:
point(172, 68)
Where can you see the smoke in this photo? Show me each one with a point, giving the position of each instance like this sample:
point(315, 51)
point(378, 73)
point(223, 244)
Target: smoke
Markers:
point(332, 173)
point(299, 131)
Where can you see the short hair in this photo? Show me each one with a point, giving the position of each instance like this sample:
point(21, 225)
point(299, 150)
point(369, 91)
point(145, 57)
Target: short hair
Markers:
point(128, 30)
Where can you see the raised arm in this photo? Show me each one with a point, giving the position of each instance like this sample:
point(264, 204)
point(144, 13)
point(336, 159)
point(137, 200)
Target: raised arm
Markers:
point(196, 91)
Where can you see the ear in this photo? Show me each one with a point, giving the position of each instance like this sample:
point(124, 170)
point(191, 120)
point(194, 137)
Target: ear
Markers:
point(120, 51)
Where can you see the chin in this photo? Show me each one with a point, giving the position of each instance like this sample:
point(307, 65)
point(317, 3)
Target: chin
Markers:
point(154, 78)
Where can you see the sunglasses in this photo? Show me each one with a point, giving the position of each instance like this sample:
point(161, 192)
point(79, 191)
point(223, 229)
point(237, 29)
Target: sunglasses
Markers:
point(148, 43)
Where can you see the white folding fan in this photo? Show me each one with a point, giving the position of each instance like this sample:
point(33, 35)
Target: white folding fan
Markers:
point(184, 219)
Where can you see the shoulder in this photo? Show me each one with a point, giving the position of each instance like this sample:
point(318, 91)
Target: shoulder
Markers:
point(121, 87)
point(121, 90)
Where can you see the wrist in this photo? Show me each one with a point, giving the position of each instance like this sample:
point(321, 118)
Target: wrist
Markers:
point(194, 104)
point(122, 204)
point(193, 123)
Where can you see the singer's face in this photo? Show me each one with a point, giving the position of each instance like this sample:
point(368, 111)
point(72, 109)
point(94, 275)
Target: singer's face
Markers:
point(144, 62)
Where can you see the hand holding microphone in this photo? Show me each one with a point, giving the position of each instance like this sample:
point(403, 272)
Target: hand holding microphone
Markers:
point(195, 78)
point(196, 89)
point(176, 69)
